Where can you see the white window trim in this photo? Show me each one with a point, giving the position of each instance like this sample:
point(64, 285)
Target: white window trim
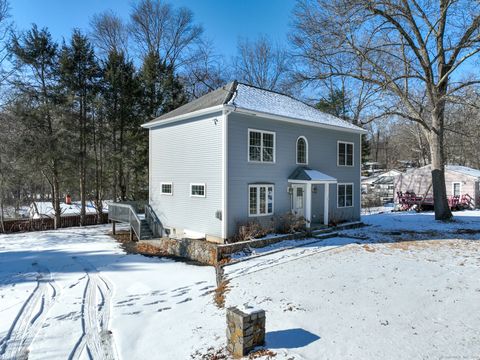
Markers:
point(161, 188)
point(306, 151)
point(353, 154)
point(261, 147)
point(204, 190)
point(258, 186)
point(353, 196)
point(453, 187)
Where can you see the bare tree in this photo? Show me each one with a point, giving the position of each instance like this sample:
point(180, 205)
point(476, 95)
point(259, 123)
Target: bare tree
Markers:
point(206, 71)
point(410, 50)
point(160, 29)
point(109, 33)
point(263, 64)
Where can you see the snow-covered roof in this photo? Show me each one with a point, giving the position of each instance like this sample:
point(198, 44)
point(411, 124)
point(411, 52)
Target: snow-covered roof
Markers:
point(464, 170)
point(376, 177)
point(250, 98)
point(302, 173)
point(265, 101)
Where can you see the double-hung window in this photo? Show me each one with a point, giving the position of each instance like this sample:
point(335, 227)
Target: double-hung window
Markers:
point(261, 146)
point(166, 188)
point(197, 190)
point(260, 200)
point(344, 195)
point(345, 153)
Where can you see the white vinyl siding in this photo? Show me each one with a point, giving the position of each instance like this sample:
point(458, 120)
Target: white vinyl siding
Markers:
point(197, 190)
point(344, 195)
point(344, 153)
point(260, 200)
point(166, 188)
point(261, 146)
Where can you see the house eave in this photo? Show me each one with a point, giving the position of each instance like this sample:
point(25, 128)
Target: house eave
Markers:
point(174, 119)
point(293, 120)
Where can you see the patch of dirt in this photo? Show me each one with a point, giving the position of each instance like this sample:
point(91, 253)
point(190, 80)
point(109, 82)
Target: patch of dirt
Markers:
point(404, 244)
point(262, 353)
point(369, 248)
point(211, 354)
point(222, 354)
point(220, 293)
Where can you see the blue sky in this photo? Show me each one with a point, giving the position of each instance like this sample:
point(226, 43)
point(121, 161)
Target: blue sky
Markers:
point(224, 21)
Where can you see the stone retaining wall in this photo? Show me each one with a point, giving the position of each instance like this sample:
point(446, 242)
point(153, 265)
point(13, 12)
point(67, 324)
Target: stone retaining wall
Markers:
point(197, 250)
point(210, 253)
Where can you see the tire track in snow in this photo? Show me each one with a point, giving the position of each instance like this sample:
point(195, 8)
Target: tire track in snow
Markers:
point(30, 318)
point(96, 339)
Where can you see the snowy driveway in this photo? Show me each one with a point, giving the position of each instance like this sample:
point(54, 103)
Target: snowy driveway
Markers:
point(75, 294)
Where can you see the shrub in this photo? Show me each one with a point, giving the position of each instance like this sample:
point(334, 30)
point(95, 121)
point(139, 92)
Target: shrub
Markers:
point(251, 230)
point(290, 223)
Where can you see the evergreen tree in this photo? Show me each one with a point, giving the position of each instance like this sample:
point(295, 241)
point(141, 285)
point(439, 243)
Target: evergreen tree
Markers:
point(162, 89)
point(37, 106)
point(79, 75)
point(121, 98)
point(337, 104)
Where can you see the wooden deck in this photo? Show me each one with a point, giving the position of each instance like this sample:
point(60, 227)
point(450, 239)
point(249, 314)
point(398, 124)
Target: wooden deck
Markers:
point(409, 199)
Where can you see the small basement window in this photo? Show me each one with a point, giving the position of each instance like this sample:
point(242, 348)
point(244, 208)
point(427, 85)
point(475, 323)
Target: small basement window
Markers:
point(197, 190)
point(260, 200)
point(345, 154)
point(166, 188)
point(344, 195)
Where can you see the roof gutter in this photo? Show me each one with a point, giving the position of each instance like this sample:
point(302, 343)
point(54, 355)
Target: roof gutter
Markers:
point(200, 112)
point(294, 120)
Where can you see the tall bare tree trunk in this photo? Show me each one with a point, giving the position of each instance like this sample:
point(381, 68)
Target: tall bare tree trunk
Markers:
point(442, 210)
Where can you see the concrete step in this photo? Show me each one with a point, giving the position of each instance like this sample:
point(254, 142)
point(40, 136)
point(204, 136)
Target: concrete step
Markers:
point(326, 235)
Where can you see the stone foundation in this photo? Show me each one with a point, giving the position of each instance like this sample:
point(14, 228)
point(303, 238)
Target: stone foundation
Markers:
point(245, 330)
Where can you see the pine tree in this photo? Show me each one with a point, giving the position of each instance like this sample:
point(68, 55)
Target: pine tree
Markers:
point(37, 106)
point(121, 100)
point(79, 75)
point(162, 89)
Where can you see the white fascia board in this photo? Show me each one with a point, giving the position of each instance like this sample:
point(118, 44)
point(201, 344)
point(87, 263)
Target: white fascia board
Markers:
point(183, 116)
point(312, 181)
point(293, 120)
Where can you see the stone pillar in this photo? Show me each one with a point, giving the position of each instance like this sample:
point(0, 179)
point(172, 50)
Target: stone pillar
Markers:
point(245, 330)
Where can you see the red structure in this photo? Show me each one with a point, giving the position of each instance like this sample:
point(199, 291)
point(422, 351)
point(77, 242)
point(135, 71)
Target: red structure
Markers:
point(68, 199)
point(409, 199)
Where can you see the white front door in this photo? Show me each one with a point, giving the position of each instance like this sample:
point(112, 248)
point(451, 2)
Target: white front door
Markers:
point(298, 200)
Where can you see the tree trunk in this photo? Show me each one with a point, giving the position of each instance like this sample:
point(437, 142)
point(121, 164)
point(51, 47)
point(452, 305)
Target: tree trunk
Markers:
point(56, 200)
point(442, 210)
point(2, 224)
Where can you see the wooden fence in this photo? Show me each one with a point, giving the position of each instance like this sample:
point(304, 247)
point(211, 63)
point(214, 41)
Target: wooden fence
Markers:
point(23, 225)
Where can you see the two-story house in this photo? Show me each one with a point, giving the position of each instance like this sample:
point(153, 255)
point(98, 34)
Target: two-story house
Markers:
point(241, 153)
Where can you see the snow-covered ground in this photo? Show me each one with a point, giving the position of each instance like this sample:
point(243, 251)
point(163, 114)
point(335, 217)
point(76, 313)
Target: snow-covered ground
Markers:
point(63, 292)
point(45, 209)
point(404, 287)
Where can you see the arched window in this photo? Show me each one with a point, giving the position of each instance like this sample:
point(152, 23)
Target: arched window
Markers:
point(302, 150)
